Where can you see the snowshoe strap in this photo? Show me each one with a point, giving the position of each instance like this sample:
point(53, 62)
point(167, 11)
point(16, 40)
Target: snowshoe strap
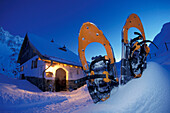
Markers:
point(103, 99)
point(107, 77)
point(147, 41)
point(135, 47)
point(104, 59)
point(104, 76)
point(137, 38)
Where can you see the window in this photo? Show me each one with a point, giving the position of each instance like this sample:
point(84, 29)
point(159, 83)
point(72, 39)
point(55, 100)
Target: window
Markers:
point(21, 68)
point(78, 72)
point(49, 74)
point(34, 63)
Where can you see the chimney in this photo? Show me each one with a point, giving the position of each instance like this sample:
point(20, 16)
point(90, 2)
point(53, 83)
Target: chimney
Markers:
point(63, 48)
point(52, 40)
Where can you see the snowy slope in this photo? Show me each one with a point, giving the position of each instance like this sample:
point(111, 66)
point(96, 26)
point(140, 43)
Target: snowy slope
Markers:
point(21, 96)
point(160, 39)
point(161, 55)
point(149, 94)
point(9, 49)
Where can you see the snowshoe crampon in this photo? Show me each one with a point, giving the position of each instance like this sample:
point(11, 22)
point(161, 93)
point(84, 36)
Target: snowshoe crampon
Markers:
point(101, 75)
point(135, 51)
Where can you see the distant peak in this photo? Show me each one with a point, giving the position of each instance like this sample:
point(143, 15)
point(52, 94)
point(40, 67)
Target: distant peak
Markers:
point(1, 29)
point(166, 24)
point(165, 27)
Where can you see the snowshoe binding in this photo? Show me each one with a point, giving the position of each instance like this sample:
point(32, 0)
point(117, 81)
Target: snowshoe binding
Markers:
point(101, 76)
point(134, 52)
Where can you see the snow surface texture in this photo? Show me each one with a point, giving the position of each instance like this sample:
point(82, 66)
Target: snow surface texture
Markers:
point(21, 96)
point(149, 94)
point(9, 50)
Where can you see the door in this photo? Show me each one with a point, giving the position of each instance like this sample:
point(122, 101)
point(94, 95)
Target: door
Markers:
point(60, 80)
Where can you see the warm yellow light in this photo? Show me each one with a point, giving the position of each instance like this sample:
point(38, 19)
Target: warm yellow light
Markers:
point(71, 66)
point(54, 68)
point(65, 64)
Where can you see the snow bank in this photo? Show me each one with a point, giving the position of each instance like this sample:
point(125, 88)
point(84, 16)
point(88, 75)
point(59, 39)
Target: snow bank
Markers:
point(21, 96)
point(149, 94)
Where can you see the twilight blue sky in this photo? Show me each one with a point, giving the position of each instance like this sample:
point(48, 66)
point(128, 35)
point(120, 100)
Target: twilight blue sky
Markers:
point(62, 19)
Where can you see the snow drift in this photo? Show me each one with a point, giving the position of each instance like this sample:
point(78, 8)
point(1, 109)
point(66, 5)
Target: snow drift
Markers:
point(149, 94)
point(21, 96)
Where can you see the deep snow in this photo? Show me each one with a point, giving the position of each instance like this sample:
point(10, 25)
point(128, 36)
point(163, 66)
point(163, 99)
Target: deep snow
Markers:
point(150, 93)
point(21, 96)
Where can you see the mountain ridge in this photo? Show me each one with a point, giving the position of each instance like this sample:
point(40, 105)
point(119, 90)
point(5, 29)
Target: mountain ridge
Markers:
point(9, 49)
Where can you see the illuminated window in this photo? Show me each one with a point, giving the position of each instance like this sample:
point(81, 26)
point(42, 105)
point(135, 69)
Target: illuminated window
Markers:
point(49, 74)
point(21, 68)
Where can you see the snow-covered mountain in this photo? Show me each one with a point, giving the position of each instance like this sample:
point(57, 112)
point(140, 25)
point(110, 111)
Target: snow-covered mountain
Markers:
point(9, 50)
point(162, 40)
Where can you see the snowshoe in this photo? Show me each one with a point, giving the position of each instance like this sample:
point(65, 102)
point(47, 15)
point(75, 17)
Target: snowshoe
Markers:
point(134, 52)
point(101, 75)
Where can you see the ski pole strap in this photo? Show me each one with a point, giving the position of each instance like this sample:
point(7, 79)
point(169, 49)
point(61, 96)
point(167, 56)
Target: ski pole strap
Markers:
point(93, 77)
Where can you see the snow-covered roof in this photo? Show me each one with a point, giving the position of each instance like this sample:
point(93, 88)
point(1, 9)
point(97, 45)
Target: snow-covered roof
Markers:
point(51, 50)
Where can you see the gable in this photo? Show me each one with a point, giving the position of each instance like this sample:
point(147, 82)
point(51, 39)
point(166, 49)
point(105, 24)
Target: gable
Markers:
point(26, 51)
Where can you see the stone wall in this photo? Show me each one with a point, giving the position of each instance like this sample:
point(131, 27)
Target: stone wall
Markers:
point(36, 81)
point(50, 84)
